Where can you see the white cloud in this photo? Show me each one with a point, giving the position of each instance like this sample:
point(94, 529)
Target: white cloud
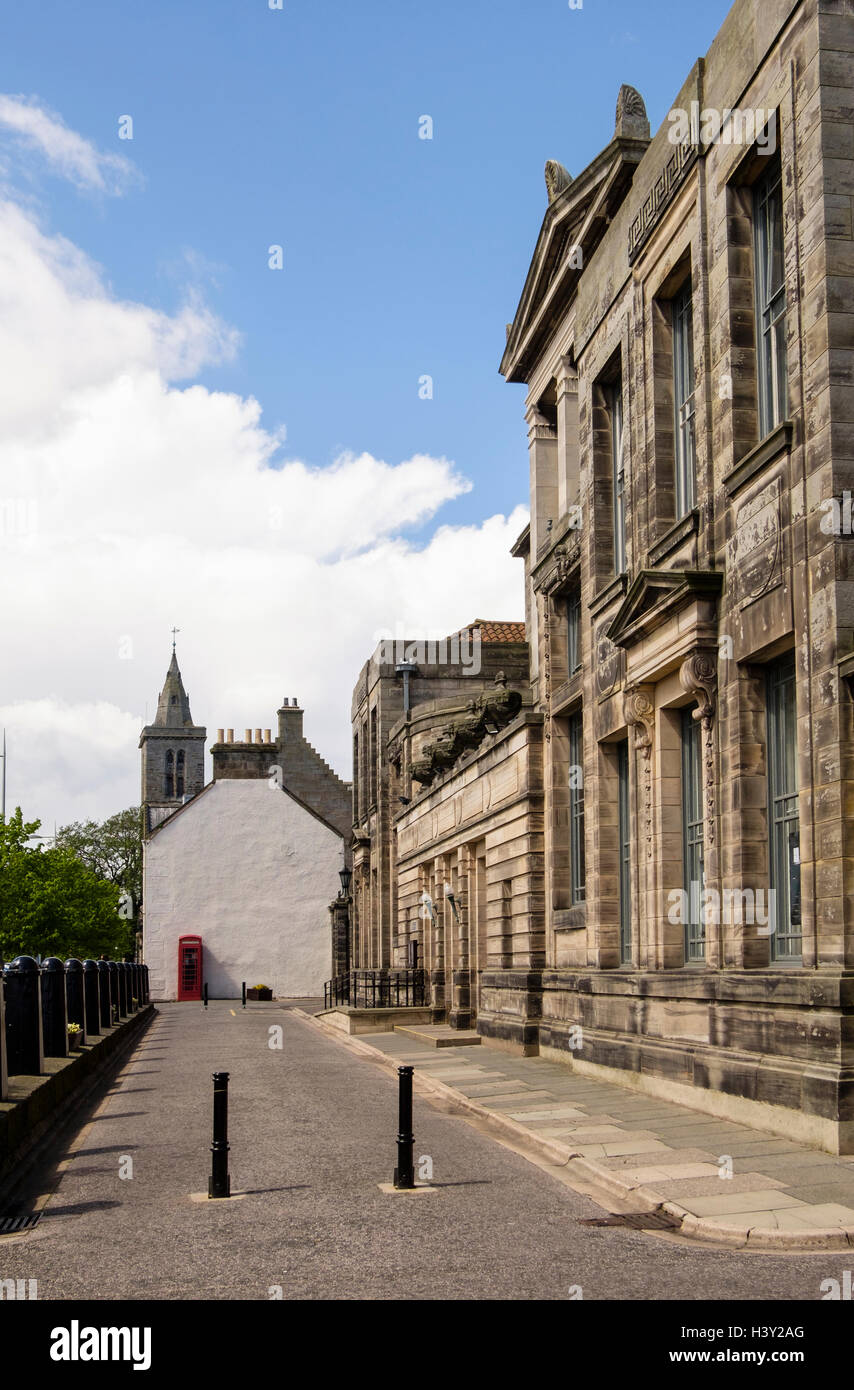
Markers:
point(68, 153)
point(129, 503)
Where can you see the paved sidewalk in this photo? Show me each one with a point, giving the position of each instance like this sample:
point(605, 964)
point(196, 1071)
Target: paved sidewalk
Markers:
point(719, 1181)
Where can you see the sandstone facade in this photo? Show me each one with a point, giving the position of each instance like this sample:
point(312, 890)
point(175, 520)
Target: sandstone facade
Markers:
point(652, 864)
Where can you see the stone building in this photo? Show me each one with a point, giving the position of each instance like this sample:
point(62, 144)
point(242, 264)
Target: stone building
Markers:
point(247, 863)
point(652, 863)
point(408, 695)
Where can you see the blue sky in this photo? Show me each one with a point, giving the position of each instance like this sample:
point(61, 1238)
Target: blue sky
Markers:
point(141, 323)
point(299, 127)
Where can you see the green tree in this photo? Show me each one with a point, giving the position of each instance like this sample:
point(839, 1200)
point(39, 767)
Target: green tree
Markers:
point(111, 849)
point(52, 903)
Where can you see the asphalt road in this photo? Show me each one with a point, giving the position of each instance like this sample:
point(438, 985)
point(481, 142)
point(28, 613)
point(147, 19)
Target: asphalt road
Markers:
point(312, 1130)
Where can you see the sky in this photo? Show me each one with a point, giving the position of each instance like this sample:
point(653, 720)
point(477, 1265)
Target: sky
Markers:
point(250, 327)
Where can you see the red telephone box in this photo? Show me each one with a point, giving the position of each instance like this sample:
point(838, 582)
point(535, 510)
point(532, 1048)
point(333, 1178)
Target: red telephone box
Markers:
point(189, 967)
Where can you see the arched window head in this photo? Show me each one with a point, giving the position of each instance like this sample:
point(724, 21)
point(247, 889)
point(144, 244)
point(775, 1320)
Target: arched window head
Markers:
point(169, 788)
point(179, 775)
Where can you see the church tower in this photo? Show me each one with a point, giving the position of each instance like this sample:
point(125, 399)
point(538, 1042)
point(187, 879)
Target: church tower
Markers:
point(173, 752)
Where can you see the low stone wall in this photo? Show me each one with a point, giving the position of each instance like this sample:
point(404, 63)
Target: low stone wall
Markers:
point(37, 1104)
point(766, 1048)
point(373, 1020)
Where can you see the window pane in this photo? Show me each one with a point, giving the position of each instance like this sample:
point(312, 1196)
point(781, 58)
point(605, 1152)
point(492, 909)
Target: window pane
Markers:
point(683, 390)
point(784, 826)
point(618, 469)
point(770, 300)
point(576, 810)
point(573, 619)
point(625, 853)
point(692, 833)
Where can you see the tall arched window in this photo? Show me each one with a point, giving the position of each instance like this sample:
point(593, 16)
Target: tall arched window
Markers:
point(179, 775)
point(169, 789)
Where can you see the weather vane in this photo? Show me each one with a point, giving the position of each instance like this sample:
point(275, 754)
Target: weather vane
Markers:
point(174, 631)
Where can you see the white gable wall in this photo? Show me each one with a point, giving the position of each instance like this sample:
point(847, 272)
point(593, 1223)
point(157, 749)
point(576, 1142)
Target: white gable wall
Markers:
point(251, 872)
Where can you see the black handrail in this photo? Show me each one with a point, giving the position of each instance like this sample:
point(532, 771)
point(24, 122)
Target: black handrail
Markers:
point(377, 989)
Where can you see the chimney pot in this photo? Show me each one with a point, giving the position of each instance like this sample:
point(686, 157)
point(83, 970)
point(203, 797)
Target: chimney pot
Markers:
point(230, 735)
point(257, 735)
point(248, 736)
point(219, 734)
point(267, 736)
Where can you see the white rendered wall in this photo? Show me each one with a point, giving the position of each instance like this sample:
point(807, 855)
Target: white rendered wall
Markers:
point(252, 873)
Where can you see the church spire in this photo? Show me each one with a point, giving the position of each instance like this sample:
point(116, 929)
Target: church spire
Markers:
point(173, 707)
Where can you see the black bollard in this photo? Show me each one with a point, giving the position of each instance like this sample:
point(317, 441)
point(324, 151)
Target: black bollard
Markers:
point(4, 1077)
point(404, 1173)
point(74, 994)
point(143, 971)
point(91, 998)
point(137, 984)
point(220, 1180)
point(244, 994)
point(206, 994)
point(23, 1017)
point(104, 994)
point(54, 1009)
point(114, 991)
point(124, 1008)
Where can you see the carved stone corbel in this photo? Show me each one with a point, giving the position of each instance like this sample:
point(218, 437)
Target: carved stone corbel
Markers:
point(698, 677)
point(639, 711)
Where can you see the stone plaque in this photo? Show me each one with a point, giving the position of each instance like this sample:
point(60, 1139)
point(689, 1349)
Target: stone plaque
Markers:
point(753, 551)
point(607, 661)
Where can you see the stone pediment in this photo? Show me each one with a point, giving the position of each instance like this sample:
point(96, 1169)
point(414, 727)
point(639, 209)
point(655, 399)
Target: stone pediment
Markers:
point(655, 596)
point(576, 218)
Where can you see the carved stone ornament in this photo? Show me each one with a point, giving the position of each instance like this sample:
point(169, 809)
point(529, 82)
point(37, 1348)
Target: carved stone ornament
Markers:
point(639, 711)
point(547, 667)
point(487, 714)
point(698, 677)
point(631, 120)
point(563, 560)
point(557, 179)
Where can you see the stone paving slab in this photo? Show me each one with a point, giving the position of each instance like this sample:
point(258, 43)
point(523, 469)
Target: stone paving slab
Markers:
point(655, 1152)
point(711, 1185)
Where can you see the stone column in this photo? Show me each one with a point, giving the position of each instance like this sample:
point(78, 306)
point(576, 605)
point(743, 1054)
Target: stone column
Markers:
point(340, 927)
point(437, 972)
point(568, 456)
point(542, 446)
point(460, 923)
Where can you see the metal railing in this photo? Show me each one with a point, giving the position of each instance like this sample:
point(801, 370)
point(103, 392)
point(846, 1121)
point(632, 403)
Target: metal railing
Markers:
point(377, 989)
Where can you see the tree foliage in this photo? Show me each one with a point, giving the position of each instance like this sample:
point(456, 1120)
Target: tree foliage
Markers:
point(52, 903)
point(112, 849)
